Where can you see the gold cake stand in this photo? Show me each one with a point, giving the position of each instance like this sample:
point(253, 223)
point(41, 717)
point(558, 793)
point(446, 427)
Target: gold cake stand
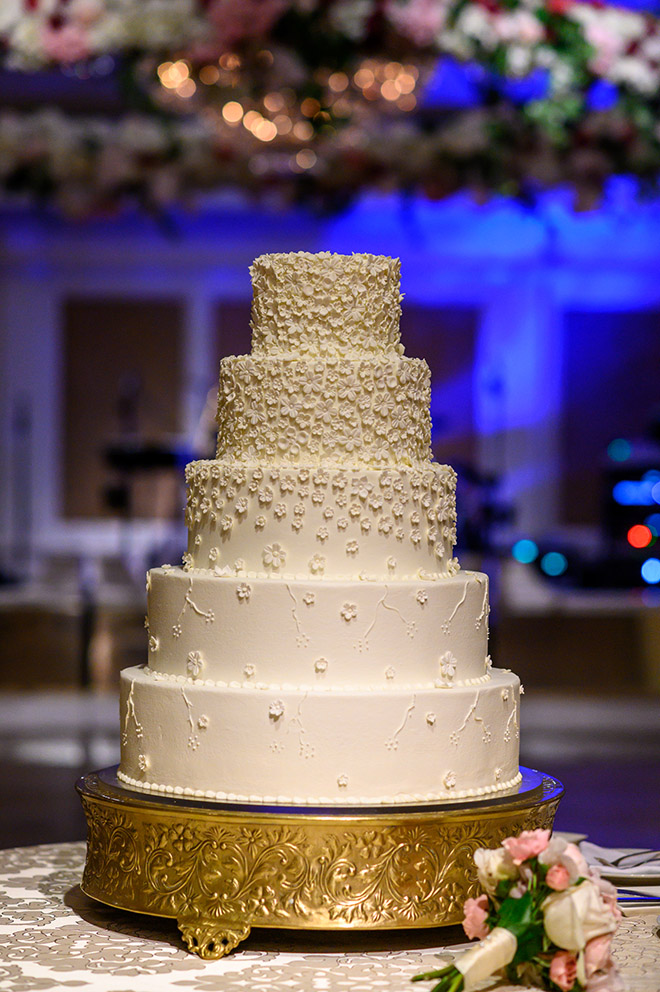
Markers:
point(221, 869)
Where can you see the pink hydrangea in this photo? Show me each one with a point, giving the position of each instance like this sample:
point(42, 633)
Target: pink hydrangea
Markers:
point(527, 845)
point(235, 20)
point(558, 877)
point(563, 970)
point(421, 20)
point(475, 915)
point(68, 43)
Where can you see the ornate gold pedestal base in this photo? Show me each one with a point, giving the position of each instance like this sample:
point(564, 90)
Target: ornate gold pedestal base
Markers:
point(221, 869)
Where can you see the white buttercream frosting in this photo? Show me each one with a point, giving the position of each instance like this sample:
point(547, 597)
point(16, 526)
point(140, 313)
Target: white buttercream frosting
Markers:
point(320, 644)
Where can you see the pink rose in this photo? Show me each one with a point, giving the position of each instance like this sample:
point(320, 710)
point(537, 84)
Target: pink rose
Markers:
point(527, 845)
point(558, 877)
point(563, 970)
point(475, 915)
point(68, 43)
point(597, 954)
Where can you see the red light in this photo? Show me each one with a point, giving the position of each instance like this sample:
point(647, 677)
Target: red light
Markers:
point(640, 536)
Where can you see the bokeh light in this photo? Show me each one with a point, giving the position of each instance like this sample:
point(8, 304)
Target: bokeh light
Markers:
point(554, 563)
point(640, 536)
point(651, 571)
point(619, 450)
point(525, 551)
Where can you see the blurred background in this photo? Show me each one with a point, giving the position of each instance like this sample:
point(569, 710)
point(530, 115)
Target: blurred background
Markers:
point(508, 154)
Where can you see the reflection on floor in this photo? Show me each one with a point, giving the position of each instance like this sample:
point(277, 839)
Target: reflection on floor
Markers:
point(606, 752)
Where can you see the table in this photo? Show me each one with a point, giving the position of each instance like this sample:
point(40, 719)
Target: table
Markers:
point(53, 937)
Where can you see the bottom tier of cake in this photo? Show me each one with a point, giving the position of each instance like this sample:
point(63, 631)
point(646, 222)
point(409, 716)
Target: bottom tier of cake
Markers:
point(318, 747)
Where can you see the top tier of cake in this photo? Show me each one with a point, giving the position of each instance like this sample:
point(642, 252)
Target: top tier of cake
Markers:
point(326, 305)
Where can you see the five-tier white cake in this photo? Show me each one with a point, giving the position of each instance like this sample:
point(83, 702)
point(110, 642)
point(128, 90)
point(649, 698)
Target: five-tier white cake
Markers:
point(320, 644)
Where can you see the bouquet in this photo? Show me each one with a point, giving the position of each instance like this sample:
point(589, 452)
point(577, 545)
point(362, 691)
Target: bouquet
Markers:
point(545, 918)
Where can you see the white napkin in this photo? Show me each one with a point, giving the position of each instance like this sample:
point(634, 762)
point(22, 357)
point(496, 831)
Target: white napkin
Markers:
point(624, 864)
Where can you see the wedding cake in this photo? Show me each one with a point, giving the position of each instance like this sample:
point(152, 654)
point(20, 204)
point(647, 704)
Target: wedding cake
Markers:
point(320, 644)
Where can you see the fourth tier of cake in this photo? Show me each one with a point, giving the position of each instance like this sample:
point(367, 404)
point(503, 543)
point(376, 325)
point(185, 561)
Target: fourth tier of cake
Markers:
point(320, 644)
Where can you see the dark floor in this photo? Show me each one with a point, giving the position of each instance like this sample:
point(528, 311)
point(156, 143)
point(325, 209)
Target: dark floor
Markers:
point(606, 752)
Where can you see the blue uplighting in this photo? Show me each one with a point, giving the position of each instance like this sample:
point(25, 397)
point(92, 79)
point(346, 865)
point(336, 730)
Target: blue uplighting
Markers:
point(653, 521)
point(525, 551)
point(651, 571)
point(554, 563)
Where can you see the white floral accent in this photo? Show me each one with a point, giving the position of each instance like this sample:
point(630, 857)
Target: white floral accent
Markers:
point(505, 695)
point(203, 722)
point(365, 525)
point(274, 556)
point(430, 719)
point(317, 564)
point(348, 612)
point(177, 630)
point(391, 744)
point(390, 672)
point(243, 591)
point(194, 664)
point(248, 671)
point(322, 534)
point(193, 742)
point(213, 554)
point(352, 548)
point(449, 780)
point(226, 523)
point(187, 561)
point(498, 774)
point(143, 762)
point(309, 599)
point(321, 665)
point(239, 565)
point(522, 689)
point(342, 523)
point(448, 666)
point(342, 781)
point(276, 709)
point(154, 643)
point(280, 510)
point(241, 505)
point(260, 522)
point(391, 563)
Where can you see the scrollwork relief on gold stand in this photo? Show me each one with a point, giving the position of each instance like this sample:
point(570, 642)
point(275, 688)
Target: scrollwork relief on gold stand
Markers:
point(221, 871)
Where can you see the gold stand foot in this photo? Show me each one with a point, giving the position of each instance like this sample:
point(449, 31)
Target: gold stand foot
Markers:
point(220, 868)
point(211, 940)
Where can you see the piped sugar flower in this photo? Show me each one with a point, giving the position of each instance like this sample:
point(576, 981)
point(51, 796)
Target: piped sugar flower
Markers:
point(274, 556)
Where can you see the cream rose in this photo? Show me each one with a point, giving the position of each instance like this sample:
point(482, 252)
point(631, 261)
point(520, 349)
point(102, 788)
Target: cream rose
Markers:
point(494, 952)
point(493, 867)
point(576, 915)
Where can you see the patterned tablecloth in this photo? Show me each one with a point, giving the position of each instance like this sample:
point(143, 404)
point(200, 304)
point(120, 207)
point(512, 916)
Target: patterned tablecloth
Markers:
point(54, 937)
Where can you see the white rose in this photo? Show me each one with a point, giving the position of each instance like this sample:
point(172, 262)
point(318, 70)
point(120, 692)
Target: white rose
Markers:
point(493, 867)
point(574, 916)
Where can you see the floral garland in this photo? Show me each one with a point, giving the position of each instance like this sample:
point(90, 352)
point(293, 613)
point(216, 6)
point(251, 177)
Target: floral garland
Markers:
point(318, 98)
